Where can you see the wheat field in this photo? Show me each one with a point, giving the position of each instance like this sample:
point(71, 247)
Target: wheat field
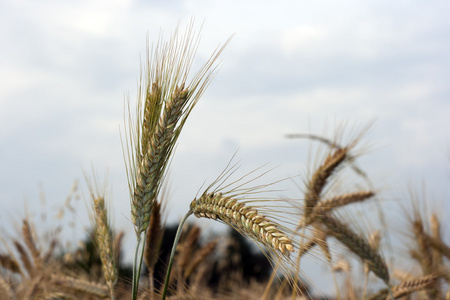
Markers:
point(177, 262)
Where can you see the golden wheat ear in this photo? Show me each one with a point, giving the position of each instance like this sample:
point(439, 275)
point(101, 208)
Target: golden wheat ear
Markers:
point(245, 219)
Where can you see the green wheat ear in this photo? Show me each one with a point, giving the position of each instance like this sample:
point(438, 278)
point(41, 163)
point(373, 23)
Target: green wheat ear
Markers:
point(164, 102)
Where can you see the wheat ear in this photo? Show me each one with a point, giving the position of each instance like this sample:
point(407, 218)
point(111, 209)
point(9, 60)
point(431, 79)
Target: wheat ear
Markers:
point(25, 258)
point(81, 285)
point(405, 288)
point(31, 245)
point(438, 245)
point(164, 103)
point(320, 178)
point(200, 256)
point(358, 245)
point(245, 219)
point(9, 263)
point(153, 239)
point(104, 242)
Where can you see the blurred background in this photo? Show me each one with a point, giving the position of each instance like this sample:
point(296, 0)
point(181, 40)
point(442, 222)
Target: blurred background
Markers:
point(291, 67)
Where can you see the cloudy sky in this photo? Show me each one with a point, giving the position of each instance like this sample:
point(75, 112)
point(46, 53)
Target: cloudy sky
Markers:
point(292, 66)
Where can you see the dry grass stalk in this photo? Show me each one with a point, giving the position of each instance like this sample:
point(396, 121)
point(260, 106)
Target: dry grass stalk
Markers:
point(357, 245)
point(245, 219)
point(87, 287)
point(104, 242)
point(9, 263)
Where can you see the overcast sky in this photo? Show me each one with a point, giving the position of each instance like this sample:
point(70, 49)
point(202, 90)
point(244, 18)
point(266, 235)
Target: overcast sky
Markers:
point(292, 66)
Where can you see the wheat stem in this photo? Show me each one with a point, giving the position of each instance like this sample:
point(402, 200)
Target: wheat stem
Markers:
point(172, 254)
